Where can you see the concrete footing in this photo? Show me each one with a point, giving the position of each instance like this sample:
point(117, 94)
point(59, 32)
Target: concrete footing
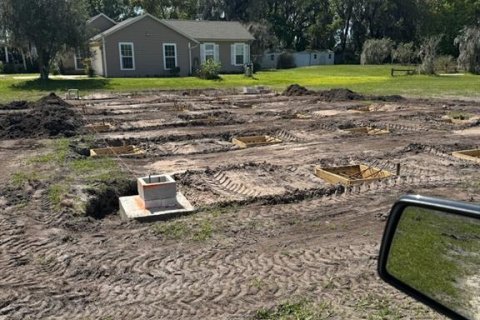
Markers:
point(158, 199)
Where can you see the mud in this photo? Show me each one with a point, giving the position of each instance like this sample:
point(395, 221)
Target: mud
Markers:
point(47, 117)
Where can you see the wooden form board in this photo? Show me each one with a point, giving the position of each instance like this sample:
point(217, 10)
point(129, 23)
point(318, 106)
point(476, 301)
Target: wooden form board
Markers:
point(470, 155)
point(255, 141)
point(351, 175)
point(98, 128)
point(369, 130)
point(125, 151)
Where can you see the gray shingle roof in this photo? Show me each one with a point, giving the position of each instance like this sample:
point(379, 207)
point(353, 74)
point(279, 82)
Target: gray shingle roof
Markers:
point(211, 30)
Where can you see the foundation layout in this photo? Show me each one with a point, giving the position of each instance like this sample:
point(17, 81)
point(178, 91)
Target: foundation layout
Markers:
point(157, 199)
point(125, 151)
point(255, 141)
point(471, 155)
point(371, 131)
point(351, 175)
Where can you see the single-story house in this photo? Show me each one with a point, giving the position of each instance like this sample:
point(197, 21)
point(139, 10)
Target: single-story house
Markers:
point(72, 60)
point(146, 46)
point(269, 60)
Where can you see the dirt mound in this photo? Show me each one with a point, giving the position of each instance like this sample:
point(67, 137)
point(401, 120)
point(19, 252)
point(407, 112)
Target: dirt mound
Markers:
point(339, 94)
point(15, 105)
point(48, 117)
point(296, 90)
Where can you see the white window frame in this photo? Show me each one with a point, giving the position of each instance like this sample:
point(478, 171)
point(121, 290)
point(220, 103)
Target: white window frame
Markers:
point(205, 51)
point(121, 57)
point(75, 58)
point(165, 57)
point(242, 45)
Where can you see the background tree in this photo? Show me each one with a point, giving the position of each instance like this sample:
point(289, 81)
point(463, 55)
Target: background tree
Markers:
point(404, 53)
point(428, 54)
point(469, 45)
point(118, 10)
point(376, 51)
point(49, 25)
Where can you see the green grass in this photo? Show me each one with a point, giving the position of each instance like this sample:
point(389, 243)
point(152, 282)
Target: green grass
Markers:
point(185, 230)
point(56, 194)
point(459, 115)
point(433, 253)
point(363, 79)
point(296, 310)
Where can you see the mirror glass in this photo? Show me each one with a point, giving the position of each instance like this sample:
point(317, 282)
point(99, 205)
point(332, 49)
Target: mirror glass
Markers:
point(438, 254)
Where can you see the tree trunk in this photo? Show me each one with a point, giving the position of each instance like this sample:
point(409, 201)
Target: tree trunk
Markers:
point(44, 65)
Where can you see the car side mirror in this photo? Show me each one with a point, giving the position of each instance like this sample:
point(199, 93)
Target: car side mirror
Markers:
point(431, 251)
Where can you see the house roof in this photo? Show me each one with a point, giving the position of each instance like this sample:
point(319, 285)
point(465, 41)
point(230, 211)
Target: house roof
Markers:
point(211, 30)
point(101, 15)
point(193, 30)
point(130, 21)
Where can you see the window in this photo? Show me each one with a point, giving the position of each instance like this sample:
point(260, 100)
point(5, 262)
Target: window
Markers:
point(330, 56)
point(169, 56)
point(239, 54)
point(315, 56)
point(272, 57)
point(209, 51)
point(127, 59)
point(79, 60)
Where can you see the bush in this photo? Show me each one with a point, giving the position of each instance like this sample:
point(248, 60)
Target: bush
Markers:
point(404, 53)
point(286, 61)
point(376, 51)
point(469, 45)
point(428, 54)
point(1, 67)
point(88, 68)
point(175, 72)
point(445, 64)
point(209, 70)
point(9, 68)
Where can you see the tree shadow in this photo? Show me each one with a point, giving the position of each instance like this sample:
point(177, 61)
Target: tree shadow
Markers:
point(62, 84)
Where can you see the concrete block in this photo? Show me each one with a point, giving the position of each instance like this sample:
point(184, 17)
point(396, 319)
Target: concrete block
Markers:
point(155, 189)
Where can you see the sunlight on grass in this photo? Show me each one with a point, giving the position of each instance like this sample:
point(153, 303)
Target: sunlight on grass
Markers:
point(363, 79)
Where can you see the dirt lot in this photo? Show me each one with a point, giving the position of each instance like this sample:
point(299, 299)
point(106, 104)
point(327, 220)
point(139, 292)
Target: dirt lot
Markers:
point(267, 230)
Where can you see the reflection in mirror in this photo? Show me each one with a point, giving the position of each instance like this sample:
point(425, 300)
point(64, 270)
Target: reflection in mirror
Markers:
point(438, 254)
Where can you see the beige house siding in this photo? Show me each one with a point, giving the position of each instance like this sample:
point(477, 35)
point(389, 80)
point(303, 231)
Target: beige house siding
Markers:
point(148, 37)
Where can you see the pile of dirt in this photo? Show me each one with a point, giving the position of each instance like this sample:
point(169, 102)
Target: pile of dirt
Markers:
point(296, 90)
point(15, 105)
point(48, 117)
point(341, 94)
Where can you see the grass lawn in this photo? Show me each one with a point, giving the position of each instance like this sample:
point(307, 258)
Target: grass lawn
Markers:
point(363, 79)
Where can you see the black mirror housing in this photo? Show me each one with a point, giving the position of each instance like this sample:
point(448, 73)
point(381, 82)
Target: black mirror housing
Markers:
point(453, 208)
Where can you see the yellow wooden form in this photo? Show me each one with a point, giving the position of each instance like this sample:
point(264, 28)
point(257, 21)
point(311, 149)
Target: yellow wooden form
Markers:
point(125, 151)
point(351, 175)
point(368, 130)
point(470, 155)
point(255, 141)
point(93, 128)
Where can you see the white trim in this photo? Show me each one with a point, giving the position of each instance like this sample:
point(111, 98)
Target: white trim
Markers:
point(120, 56)
point(104, 58)
point(75, 61)
point(204, 58)
point(242, 45)
point(165, 58)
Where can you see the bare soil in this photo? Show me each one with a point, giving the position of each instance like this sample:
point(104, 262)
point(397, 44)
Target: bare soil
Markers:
point(267, 230)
